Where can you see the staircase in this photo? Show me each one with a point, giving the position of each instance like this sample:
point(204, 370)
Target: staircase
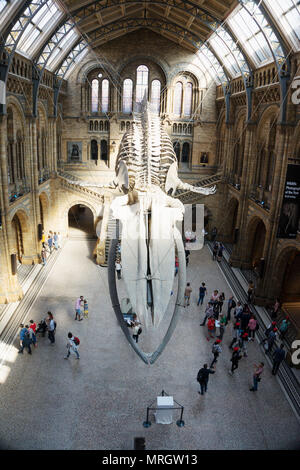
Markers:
point(18, 312)
point(188, 197)
point(285, 374)
point(75, 186)
point(113, 230)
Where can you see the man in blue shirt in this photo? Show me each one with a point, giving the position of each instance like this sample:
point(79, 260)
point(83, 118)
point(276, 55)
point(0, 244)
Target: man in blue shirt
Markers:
point(202, 292)
point(24, 339)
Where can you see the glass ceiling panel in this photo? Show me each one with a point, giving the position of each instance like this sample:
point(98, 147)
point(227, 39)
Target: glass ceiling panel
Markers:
point(58, 52)
point(76, 62)
point(248, 31)
point(6, 8)
point(39, 28)
point(208, 67)
point(225, 54)
point(287, 13)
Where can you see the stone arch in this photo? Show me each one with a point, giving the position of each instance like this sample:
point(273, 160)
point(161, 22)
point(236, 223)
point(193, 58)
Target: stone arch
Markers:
point(74, 202)
point(255, 241)
point(295, 148)
point(192, 69)
point(14, 103)
point(161, 63)
point(266, 138)
point(21, 240)
point(279, 269)
point(81, 221)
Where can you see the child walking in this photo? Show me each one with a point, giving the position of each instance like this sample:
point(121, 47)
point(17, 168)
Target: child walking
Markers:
point(85, 309)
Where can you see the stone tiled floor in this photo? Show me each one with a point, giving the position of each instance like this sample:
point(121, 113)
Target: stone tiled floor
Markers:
point(100, 401)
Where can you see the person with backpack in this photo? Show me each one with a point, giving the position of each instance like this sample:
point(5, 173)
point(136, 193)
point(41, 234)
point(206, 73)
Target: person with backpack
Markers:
point(284, 327)
point(216, 350)
point(215, 250)
point(236, 334)
point(278, 357)
point(209, 312)
point(202, 378)
point(236, 356)
point(221, 299)
point(243, 342)
point(136, 328)
point(271, 339)
point(220, 252)
point(238, 310)
point(32, 327)
point(25, 340)
point(72, 345)
point(245, 317)
point(51, 325)
point(202, 292)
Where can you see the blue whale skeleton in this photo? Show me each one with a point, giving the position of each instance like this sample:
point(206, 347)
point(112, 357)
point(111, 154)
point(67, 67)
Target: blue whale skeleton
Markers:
point(147, 177)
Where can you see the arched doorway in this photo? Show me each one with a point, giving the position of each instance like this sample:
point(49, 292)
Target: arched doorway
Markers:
point(185, 156)
point(256, 247)
point(81, 222)
point(232, 220)
point(17, 241)
point(290, 285)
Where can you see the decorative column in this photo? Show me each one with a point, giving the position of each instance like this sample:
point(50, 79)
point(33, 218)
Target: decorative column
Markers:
point(239, 253)
point(265, 292)
point(10, 289)
point(36, 216)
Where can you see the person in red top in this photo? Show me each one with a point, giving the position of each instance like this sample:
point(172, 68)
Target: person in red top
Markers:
point(211, 328)
point(32, 326)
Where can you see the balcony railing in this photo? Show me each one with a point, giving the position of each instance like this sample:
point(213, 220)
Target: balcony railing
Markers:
point(260, 197)
point(44, 175)
point(18, 191)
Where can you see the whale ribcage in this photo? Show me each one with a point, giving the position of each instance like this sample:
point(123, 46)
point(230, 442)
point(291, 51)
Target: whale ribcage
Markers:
point(147, 151)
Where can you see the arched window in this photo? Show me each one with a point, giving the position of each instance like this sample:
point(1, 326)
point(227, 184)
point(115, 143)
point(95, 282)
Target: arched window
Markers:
point(141, 82)
point(176, 147)
point(96, 125)
point(20, 156)
point(105, 96)
point(95, 91)
point(43, 149)
point(91, 125)
point(127, 95)
point(10, 138)
point(94, 150)
point(177, 99)
point(185, 152)
point(104, 155)
point(155, 96)
point(187, 105)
